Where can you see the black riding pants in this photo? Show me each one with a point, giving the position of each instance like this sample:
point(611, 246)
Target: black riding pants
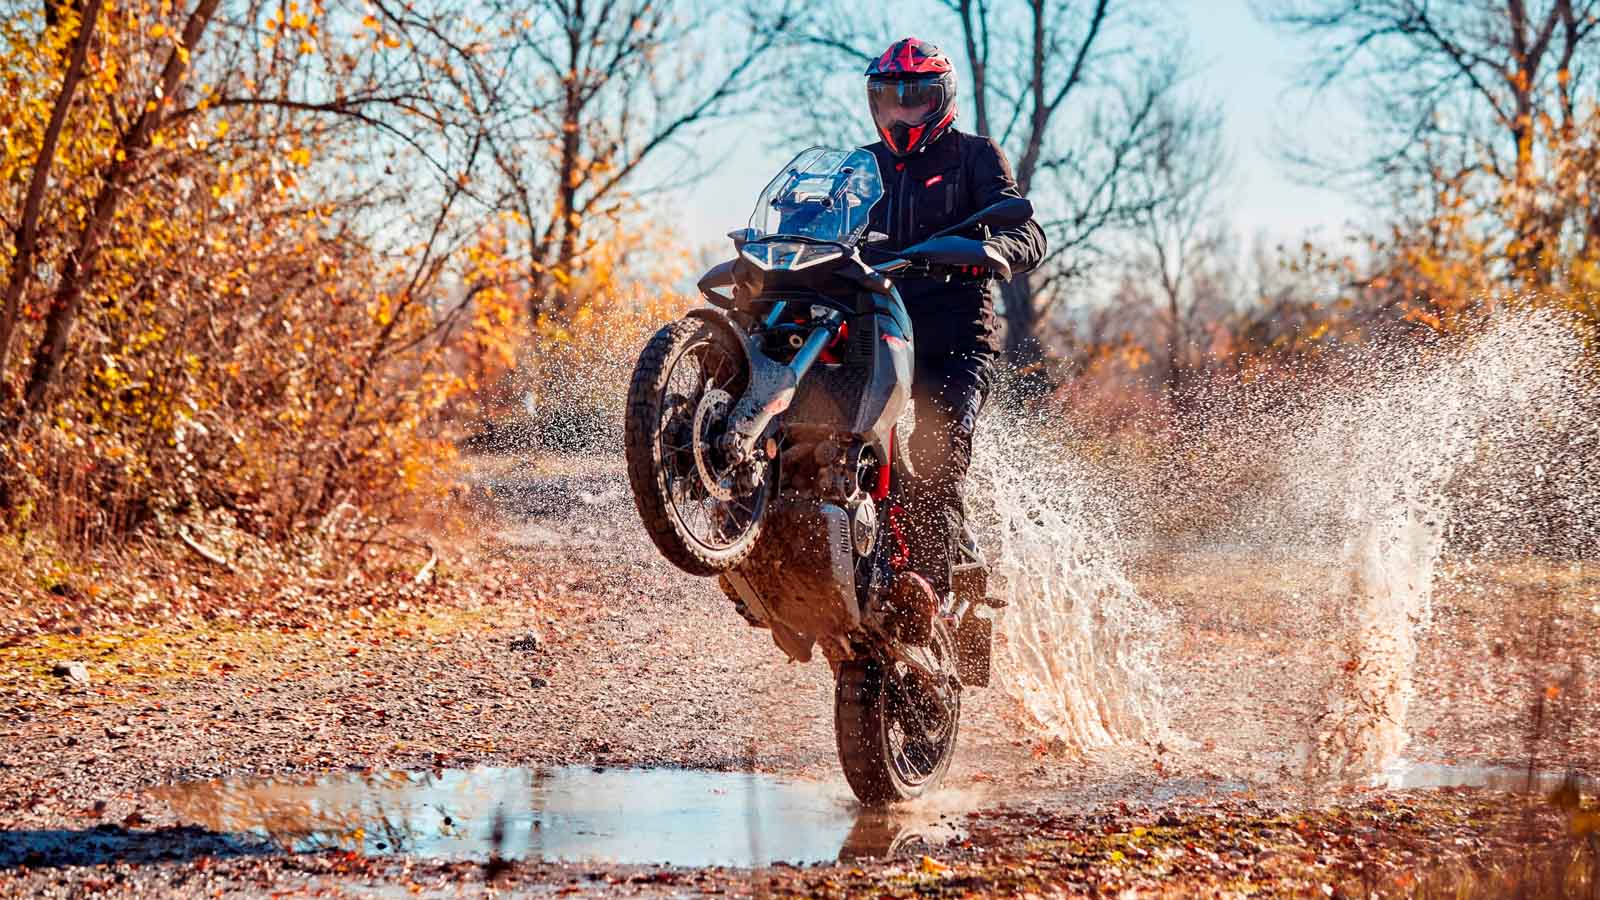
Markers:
point(948, 393)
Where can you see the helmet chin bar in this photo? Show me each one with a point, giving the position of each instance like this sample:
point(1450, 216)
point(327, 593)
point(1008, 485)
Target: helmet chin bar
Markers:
point(911, 72)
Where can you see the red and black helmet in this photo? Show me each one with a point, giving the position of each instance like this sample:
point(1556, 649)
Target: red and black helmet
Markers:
point(911, 89)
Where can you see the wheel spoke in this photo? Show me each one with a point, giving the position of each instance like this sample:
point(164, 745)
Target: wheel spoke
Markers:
point(687, 431)
point(713, 374)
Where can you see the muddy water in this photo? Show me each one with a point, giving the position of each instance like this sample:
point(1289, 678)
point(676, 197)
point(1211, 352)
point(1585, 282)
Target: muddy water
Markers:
point(625, 816)
point(1405, 776)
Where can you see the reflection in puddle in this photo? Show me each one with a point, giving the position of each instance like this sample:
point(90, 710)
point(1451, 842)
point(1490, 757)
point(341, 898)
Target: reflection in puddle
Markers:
point(1405, 775)
point(687, 818)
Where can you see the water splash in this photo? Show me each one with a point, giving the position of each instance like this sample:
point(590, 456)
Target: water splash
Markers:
point(1383, 464)
point(1366, 479)
point(1391, 462)
point(1081, 646)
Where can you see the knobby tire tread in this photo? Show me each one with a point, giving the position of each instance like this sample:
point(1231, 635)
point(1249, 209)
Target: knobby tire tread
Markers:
point(643, 452)
point(858, 729)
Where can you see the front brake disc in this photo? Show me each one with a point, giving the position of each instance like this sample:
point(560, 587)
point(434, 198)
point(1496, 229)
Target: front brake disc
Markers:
point(712, 410)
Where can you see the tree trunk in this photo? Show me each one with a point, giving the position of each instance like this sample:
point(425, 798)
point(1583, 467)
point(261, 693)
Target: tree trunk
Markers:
point(80, 266)
point(559, 294)
point(27, 232)
point(978, 55)
point(1176, 344)
point(1022, 322)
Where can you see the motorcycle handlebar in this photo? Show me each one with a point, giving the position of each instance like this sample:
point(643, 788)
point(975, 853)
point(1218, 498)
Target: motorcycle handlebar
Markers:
point(908, 268)
point(947, 256)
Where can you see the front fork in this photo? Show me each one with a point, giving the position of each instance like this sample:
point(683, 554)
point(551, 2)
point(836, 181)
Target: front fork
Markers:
point(772, 387)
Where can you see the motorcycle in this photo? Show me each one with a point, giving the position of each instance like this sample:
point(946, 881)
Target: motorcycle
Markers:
point(765, 438)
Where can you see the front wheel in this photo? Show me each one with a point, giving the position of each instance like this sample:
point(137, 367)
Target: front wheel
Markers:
point(703, 513)
point(895, 726)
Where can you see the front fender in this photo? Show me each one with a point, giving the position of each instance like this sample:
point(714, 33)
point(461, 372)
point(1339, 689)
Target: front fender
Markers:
point(719, 320)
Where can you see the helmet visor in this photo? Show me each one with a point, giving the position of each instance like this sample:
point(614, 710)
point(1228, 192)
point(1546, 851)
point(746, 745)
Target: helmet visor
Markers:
point(910, 102)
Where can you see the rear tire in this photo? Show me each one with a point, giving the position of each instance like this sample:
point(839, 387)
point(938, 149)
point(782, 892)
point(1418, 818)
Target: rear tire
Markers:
point(662, 397)
point(877, 711)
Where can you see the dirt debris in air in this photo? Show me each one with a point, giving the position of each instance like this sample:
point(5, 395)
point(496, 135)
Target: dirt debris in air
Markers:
point(580, 648)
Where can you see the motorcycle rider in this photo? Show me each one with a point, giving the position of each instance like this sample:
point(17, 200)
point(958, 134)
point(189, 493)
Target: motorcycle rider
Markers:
point(934, 176)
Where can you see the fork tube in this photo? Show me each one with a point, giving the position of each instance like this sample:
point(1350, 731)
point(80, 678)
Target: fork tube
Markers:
point(809, 351)
point(777, 310)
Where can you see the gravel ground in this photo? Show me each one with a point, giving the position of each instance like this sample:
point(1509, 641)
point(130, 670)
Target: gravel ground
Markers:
point(597, 653)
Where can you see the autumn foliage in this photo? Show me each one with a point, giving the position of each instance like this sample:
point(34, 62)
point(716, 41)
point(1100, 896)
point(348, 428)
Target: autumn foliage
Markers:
point(271, 264)
point(251, 281)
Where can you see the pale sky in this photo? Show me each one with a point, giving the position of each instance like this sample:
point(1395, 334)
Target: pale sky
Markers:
point(1243, 64)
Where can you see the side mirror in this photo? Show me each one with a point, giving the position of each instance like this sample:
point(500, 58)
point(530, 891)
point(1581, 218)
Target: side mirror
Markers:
point(1007, 213)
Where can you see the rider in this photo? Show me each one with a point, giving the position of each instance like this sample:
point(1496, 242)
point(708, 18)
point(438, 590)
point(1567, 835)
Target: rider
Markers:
point(934, 176)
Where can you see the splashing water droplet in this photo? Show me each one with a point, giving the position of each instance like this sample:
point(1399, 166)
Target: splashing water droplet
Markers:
point(1080, 644)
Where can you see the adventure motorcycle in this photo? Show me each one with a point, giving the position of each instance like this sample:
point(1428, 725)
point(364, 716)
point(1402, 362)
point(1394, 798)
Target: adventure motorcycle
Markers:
point(764, 440)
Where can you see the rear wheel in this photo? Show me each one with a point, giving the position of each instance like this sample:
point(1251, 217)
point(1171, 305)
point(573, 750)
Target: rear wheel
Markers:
point(703, 512)
point(896, 727)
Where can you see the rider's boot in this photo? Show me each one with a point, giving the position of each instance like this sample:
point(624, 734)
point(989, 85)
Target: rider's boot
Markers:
point(912, 604)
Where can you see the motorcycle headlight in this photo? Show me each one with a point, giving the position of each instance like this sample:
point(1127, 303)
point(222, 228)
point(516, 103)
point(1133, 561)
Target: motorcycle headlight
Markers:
point(774, 255)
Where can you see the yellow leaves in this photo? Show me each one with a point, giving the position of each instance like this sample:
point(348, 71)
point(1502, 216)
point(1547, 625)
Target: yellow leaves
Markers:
point(157, 30)
point(221, 131)
point(300, 156)
point(931, 866)
point(1584, 824)
point(298, 22)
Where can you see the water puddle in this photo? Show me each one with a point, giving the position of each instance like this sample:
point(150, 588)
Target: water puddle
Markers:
point(624, 816)
point(1510, 779)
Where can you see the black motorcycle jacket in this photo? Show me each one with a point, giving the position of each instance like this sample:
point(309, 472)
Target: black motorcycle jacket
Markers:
point(950, 179)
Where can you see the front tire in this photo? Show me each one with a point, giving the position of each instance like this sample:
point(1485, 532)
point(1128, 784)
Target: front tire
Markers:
point(683, 386)
point(897, 732)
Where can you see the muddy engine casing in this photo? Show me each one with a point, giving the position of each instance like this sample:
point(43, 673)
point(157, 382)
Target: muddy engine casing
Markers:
point(800, 578)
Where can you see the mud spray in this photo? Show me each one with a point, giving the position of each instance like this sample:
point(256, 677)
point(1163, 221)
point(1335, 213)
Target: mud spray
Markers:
point(1363, 479)
point(1367, 478)
point(1384, 471)
point(1081, 646)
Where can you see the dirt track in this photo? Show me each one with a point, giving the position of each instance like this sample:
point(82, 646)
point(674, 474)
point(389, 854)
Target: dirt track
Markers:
point(630, 664)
